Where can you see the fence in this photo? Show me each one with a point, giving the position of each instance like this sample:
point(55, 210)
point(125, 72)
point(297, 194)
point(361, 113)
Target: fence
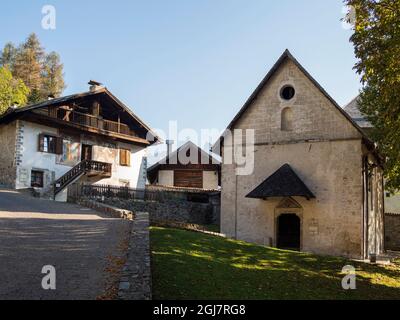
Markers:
point(77, 191)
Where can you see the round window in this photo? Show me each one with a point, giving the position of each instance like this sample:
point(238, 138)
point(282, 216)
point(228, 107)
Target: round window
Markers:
point(287, 92)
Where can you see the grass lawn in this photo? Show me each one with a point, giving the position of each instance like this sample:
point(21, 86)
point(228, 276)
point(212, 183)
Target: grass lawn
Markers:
point(190, 265)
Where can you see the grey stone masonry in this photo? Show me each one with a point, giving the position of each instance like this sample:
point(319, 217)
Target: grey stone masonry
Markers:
point(392, 231)
point(135, 282)
point(171, 210)
point(107, 209)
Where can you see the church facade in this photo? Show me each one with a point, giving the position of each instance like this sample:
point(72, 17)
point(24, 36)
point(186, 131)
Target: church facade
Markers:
point(317, 183)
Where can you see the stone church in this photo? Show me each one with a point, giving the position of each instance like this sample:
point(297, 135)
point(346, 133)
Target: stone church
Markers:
point(317, 183)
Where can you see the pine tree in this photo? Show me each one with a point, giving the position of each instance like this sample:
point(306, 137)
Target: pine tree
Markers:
point(28, 67)
point(42, 73)
point(7, 56)
point(53, 77)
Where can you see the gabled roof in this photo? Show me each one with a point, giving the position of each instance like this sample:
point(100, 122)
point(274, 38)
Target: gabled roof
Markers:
point(353, 110)
point(205, 156)
point(283, 183)
point(13, 113)
point(284, 57)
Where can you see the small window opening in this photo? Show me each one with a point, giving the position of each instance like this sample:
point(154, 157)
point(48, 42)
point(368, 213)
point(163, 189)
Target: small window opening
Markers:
point(287, 93)
point(287, 119)
point(36, 179)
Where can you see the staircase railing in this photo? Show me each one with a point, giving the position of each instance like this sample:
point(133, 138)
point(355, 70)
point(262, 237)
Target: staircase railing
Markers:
point(80, 169)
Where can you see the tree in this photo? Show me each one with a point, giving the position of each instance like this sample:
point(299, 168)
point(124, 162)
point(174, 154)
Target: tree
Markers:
point(42, 73)
point(53, 77)
point(12, 91)
point(376, 40)
point(8, 54)
point(28, 67)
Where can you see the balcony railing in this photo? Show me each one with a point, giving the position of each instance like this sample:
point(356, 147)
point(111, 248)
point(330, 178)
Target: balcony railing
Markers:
point(87, 120)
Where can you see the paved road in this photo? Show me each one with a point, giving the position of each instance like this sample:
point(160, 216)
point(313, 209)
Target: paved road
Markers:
point(78, 242)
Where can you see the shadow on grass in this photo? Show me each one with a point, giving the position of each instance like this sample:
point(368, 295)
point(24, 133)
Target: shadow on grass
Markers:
point(188, 265)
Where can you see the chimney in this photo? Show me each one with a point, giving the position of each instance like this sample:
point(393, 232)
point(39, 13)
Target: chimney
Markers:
point(169, 143)
point(50, 97)
point(14, 106)
point(94, 85)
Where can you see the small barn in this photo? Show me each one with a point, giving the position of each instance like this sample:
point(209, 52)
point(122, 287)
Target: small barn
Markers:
point(187, 167)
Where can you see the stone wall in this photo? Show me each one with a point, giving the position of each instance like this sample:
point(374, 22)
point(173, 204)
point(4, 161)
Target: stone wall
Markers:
point(170, 210)
point(314, 116)
point(331, 223)
point(8, 156)
point(392, 231)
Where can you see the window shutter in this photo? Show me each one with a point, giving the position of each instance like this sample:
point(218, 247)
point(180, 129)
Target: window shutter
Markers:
point(41, 142)
point(128, 157)
point(59, 145)
point(124, 157)
point(121, 157)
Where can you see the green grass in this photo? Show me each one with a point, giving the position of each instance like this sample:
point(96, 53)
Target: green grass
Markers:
point(190, 265)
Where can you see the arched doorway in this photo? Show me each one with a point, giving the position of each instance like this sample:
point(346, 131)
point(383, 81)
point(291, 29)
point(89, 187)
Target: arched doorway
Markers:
point(289, 229)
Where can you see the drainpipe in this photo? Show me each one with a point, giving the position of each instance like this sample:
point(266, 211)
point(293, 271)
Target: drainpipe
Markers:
point(169, 143)
point(236, 204)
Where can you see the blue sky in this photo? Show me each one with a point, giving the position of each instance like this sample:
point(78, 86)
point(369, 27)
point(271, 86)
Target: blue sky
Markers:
point(194, 61)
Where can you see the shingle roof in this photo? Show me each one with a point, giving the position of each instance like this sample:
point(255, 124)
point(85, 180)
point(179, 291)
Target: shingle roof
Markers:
point(353, 110)
point(283, 183)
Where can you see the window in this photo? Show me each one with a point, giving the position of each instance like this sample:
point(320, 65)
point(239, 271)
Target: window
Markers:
point(36, 179)
point(50, 144)
point(124, 157)
point(287, 119)
point(287, 92)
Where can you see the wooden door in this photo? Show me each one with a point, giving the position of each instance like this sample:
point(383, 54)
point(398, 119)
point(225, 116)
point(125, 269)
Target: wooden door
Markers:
point(86, 152)
point(188, 178)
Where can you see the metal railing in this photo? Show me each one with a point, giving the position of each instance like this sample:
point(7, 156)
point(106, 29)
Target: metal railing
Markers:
point(125, 193)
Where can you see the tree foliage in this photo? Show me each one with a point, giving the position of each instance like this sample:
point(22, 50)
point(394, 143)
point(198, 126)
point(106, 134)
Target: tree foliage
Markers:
point(376, 40)
point(42, 73)
point(12, 91)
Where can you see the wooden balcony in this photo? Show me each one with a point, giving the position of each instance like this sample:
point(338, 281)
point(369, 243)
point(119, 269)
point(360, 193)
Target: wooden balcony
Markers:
point(90, 123)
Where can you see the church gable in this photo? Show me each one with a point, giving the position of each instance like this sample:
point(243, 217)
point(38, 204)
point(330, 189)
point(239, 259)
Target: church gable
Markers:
point(290, 106)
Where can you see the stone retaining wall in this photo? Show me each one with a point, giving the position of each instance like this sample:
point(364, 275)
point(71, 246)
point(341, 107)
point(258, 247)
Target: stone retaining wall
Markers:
point(392, 231)
point(107, 209)
point(171, 210)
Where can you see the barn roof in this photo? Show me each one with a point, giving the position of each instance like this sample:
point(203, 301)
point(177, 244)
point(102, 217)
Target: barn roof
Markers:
point(283, 183)
point(203, 157)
